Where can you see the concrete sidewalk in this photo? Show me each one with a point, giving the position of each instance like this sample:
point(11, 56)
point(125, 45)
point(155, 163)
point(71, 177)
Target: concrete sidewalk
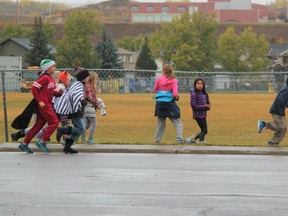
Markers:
point(166, 149)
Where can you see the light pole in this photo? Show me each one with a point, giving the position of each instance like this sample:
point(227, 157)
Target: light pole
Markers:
point(145, 36)
point(17, 11)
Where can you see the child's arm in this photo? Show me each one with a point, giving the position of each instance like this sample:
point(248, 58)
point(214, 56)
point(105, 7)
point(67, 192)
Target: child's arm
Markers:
point(175, 89)
point(37, 85)
point(101, 103)
point(90, 96)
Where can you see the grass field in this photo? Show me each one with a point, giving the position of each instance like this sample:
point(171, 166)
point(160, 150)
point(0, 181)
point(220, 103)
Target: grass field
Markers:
point(232, 120)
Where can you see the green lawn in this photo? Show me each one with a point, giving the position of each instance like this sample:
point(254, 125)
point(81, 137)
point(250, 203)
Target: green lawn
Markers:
point(232, 120)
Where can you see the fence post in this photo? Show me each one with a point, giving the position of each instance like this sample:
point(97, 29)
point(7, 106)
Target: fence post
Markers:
point(5, 106)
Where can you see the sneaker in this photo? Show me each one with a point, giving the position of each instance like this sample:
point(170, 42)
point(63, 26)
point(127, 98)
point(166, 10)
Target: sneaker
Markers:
point(190, 140)
point(42, 146)
point(25, 148)
point(103, 111)
point(180, 142)
point(202, 142)
point(261, 124)
point(272, 143)
point(91, 141)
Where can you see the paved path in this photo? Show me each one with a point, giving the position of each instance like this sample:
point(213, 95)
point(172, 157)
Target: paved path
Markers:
point(173, 149)
point(109, 184)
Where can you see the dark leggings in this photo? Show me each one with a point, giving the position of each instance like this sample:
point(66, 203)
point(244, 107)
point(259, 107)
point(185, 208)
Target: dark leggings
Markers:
point(203, 126)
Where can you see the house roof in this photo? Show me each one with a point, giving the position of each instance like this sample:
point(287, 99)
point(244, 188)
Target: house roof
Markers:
point(277, 49)
point(124, 51)
point(25, 42)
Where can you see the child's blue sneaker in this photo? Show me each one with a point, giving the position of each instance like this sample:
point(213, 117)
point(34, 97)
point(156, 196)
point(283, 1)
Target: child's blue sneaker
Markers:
point(261, 125)
point(42, 146)
point(25, 148)
point(91, 141)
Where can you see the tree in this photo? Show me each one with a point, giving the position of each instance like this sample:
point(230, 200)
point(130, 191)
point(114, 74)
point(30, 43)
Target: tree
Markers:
point(39, 44)
point(130, 43)
point(228, 52)
point(188, 38)
point(15, 31)
point(242, 53)
point(50, 32)
point(145, 59)
point(76, 48)
point(254, 51)
point(108, 53)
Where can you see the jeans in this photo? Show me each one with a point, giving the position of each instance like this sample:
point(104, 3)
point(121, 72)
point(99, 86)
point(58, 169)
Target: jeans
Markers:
point(78, 129)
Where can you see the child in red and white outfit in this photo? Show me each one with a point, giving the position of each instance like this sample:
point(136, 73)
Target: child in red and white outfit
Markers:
point(43, 90)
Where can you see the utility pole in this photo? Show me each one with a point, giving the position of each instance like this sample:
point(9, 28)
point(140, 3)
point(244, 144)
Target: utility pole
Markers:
point(17, 11)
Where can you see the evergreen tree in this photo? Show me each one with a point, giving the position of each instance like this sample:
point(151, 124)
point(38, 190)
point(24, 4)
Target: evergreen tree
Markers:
point(108, 53)
point(145, 60)
point(39, 44)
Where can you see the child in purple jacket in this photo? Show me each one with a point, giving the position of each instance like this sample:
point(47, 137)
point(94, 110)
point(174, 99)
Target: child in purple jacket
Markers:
point(200, 104)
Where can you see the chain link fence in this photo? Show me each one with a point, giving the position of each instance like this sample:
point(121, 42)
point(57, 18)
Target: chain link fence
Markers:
point(238, 101)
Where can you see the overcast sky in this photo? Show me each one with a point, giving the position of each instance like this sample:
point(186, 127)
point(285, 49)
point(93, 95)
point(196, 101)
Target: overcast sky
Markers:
point(78, 3)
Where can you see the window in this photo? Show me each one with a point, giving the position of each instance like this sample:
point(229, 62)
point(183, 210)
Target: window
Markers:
point(285, 59)
point(134, 8)
point(181, 9)
point(149, 8)
point(165, 9)
point(139, 18)
point(193, 9)
point(128, 58)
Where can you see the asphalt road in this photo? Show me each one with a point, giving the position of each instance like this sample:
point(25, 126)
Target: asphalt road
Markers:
point(142, 184)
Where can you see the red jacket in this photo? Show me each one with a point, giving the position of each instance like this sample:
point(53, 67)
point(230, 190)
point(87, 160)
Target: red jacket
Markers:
point(43, 89)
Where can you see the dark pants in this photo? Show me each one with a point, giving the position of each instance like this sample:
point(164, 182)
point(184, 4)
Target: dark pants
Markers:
point(203, 126)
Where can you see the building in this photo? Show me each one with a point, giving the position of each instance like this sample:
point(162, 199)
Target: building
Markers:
point(243, 11)
point(278, 56)
point(129, 58)
point(19, 47)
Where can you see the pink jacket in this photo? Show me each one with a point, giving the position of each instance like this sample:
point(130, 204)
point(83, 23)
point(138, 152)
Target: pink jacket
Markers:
point(166, 84)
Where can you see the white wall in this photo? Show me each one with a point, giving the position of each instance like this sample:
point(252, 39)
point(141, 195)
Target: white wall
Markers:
point(234, 5)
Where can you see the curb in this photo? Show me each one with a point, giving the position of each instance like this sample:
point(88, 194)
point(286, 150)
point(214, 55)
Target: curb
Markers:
point(156, 149)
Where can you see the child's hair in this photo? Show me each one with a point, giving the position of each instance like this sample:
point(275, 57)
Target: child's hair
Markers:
point(203, 89)
point(168, 71)
point(93, 78)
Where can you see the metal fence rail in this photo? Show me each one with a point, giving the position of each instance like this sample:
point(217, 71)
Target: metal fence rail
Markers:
point(238, 100)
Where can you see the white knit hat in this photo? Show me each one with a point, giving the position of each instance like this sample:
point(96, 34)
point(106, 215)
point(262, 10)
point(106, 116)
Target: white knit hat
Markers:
point(45, 65)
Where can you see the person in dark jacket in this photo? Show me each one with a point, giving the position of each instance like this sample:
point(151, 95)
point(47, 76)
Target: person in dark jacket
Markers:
point(278, 124)
point(72, 104)
point(200, 104)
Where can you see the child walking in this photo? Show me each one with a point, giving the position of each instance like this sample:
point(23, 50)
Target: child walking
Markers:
point(43, 90)
point(64, 81)
point(166, 89)
point(200, 104)
point(277, 110)
point(91, 107)
point(72, 104)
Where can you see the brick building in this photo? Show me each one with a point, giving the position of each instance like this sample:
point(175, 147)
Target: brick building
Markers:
point(243, 11)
